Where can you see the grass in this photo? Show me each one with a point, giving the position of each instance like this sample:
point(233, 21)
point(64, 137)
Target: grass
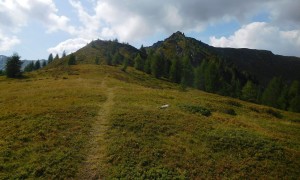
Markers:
point(46, 119)
point(44, 123)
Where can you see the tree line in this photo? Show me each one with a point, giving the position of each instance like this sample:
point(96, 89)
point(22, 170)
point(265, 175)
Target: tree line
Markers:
point(214, 75)
point(14, 64)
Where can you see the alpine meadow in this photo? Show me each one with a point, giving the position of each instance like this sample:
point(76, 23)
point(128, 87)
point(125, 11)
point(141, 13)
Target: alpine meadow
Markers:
point(179, 109)
point(154, 90)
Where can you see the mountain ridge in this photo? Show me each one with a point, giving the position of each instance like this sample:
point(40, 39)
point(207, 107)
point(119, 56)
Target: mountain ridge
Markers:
point(259, 63)
point(243, 73)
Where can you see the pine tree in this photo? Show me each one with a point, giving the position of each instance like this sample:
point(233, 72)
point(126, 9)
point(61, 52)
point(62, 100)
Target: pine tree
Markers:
point(197, 79)
point(283, 98)
point(211, 77)
point(237, 89)
point(29, 67)
point(138, 63)
point(50, 58)
point(294, 89)
point(147, 66)
point(272, 93)
point(166, 69)
point(250, 92)
point(72, 59)
point(13, 66)
point(295, 104)
point(56, 57)
point(201, 72)
point(64, 54)
point(143, 52)
point(117, 59)
point(37, 65)
point(175, 71)
point(155, 69)
point(294, 97)
point(187, 75)
point(109, 59)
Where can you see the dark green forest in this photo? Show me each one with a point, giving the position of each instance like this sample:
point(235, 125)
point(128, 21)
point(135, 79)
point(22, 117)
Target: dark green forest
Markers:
point(208, 71)
point(215, 76)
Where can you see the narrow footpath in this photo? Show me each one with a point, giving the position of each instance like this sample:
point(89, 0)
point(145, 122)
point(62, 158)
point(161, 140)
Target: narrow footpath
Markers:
point(91, 167)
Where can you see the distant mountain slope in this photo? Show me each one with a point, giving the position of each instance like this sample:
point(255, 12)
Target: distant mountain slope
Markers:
point(262, 64)
point(3, 60)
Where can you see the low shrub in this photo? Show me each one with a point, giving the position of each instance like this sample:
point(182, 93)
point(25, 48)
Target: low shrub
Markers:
point(196, 109)
point(274, 113)
point(234, 103)
point(230, 111)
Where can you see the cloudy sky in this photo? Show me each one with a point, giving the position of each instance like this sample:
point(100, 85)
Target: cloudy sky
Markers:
point(35, 28)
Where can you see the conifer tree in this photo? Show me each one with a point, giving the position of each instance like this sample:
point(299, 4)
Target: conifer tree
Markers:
point(272, 93)
point(295, 104)
point(72, 59)
point(198, 77)
point(109, 59)
point(250, 92)
point(138, 63)
point(201, 74)
point(29, 67)
point(117, 59)
point(143, 52)
point(211, 77)
point(56, 57)
point(187, 72)
point(64, 54)
point(166, 69)
point(294, 89)
point(175, 71)
point(147, 66)
point(37, 65)
point(50, 58)
point(155, 68)
point(283, 98)
point(294, 96)
point(13, 66)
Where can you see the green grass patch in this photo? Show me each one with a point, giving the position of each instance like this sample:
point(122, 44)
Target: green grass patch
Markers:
point(46, 121)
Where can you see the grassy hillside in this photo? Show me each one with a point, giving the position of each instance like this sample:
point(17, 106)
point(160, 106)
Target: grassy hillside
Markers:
point(89, 121)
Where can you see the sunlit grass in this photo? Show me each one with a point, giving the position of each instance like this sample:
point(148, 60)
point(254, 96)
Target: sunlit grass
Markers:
point(45, 121)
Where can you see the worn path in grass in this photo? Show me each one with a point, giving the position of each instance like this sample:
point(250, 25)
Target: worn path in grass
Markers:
point(91, 167)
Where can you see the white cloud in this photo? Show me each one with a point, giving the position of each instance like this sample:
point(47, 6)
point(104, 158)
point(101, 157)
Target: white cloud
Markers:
point(7, 42)
point(136, 20)
point(15, 14)
point(69, 46)
point(261, 35)
point(133, 21)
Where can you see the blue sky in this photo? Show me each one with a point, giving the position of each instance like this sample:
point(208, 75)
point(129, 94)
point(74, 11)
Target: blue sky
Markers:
point(36, 28)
